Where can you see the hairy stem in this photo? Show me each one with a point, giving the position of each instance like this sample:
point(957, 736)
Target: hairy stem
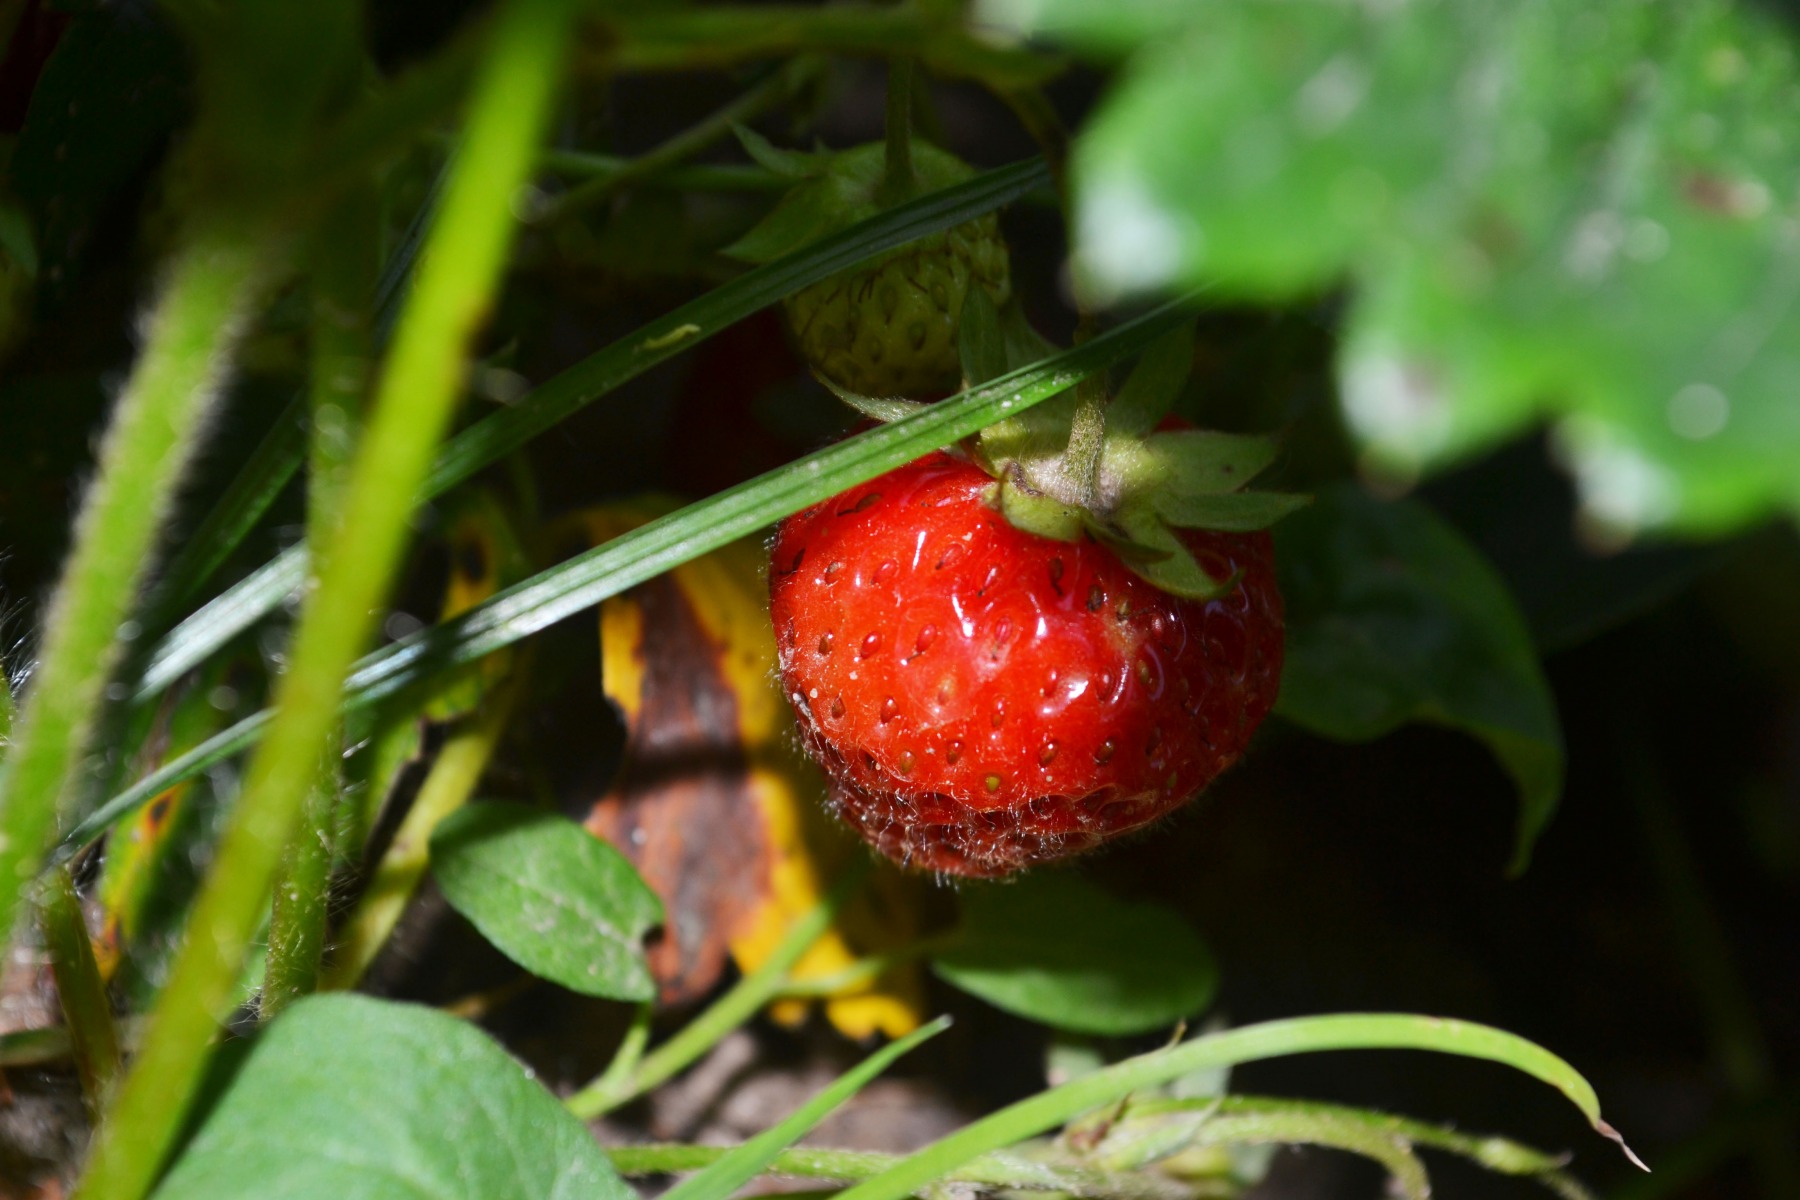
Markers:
point(420, 382)
point(342, 346)
point(1006, 1170)
point(211, 289)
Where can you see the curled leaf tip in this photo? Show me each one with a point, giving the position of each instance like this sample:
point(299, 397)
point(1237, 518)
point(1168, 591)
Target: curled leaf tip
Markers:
point(1611, 1134)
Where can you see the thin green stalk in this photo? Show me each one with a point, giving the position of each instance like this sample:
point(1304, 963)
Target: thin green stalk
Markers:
point(1251, 1043)
point(993, 1171)
point(93, 1038)
point(780, 85)
point(458, 767)
point(342, 349)
point(211, 290)
point(418, 388)
point(1406, 1173)
point(746, 1160)
point(863, 971)
point(745, 999)
point(1494, 1153)
point(298, 908)
point(630, 1052)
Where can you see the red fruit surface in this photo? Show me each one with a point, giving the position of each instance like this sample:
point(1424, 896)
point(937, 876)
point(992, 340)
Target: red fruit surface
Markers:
point(985, 699)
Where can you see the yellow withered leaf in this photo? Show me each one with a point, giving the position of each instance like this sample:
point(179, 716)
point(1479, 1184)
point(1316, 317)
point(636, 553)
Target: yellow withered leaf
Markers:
point(716, 805)
point(485, 556)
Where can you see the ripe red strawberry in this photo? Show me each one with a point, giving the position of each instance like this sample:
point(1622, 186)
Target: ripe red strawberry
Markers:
point(984, 698)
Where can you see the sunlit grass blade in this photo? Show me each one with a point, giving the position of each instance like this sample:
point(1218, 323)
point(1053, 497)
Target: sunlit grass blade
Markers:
point(200, 635)
point(1251, 1043)
point(683, 535)
point(224, 617)
point(745, 1161)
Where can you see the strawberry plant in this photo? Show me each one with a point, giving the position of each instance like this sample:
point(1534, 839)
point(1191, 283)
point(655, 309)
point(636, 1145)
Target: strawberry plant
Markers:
point(620, 599)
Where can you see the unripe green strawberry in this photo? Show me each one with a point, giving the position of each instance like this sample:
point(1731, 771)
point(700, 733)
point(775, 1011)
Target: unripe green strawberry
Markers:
point(888, 327)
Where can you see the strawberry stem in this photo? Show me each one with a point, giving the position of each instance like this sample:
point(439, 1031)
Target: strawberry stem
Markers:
point(1087, 428)
point(1087, 437)
point(899, 182)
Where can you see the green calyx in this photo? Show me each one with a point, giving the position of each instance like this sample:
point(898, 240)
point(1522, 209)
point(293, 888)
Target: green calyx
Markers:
point(1082, 465)
point(889, 326)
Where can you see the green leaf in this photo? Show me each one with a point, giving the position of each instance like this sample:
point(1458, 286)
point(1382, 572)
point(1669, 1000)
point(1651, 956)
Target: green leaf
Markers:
point(1054, 948)
point(1568, 211)
point(1046, 516)
point(505, 431)
point(1392, 617)
point(667, 542)
point(1154, 385)
point(876, 408)
point(555, 899)
point(980, 342)
point(362, 1099)
point(744, 1161)
point(794, 164)
point(805, 215)
point(1200, 462)
point(1146, 544)
point(1237, 512)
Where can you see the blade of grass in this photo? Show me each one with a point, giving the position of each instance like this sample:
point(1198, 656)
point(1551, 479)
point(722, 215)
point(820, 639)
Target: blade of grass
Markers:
point(86, 1012)
point(212, 288)
point(745, 1161)
point(667, 542)
point(511, 428)
point(418, 387)
point(1272, 1039)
